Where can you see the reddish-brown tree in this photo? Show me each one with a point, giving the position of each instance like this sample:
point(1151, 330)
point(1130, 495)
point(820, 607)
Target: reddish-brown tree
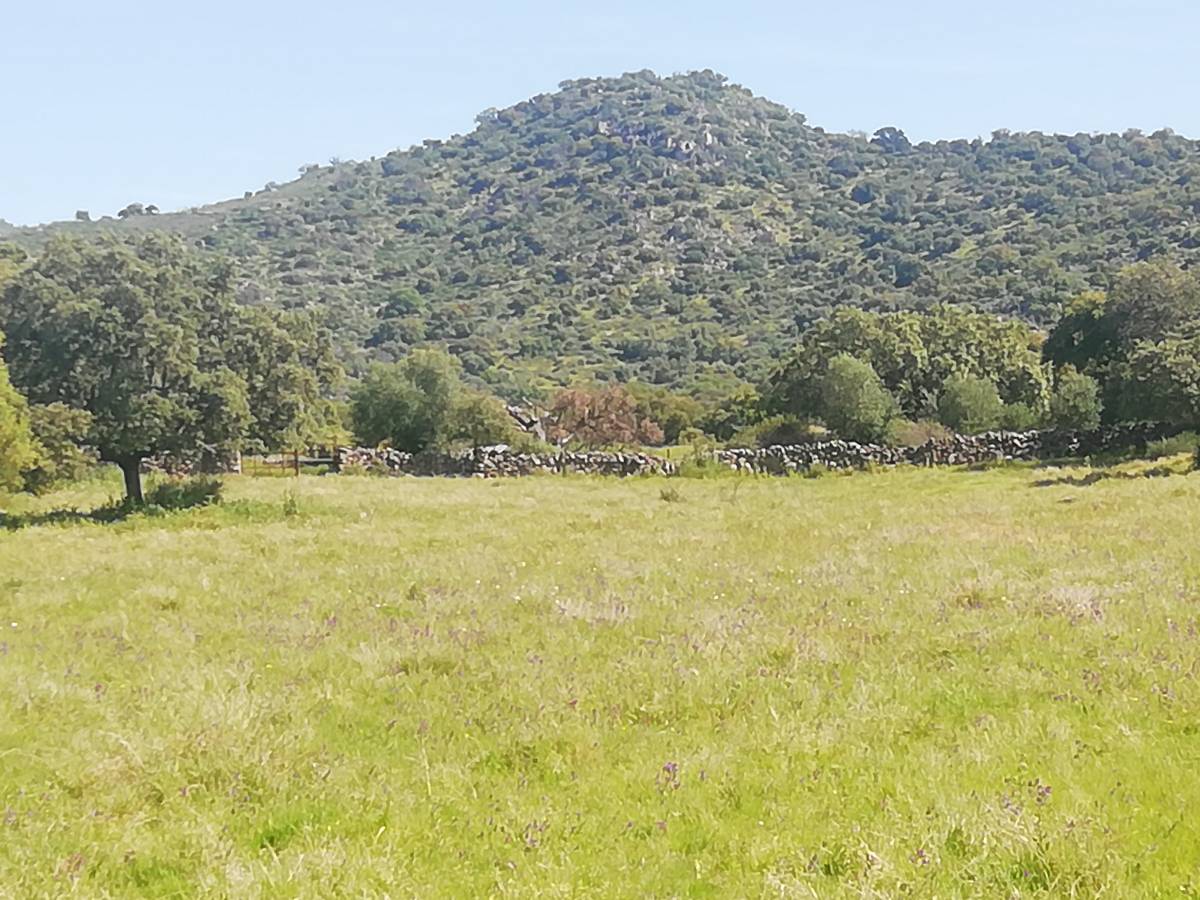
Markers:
point(600, 417)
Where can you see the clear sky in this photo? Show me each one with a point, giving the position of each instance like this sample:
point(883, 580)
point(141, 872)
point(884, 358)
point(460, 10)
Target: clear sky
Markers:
point(181, 103)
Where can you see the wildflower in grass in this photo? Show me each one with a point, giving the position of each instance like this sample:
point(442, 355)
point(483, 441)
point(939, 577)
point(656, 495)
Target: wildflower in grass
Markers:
point(1041, 792)
point(668, 777)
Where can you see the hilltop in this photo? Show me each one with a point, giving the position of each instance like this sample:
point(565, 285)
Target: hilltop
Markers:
point(682, 230)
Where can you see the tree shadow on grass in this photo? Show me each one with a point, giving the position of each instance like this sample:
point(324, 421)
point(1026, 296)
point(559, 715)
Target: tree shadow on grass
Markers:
point(107, 514)
point(1095, 477)
point(166, 497)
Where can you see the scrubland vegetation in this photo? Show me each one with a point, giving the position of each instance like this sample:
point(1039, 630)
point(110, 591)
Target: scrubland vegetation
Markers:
point(682, 231)
point(931, 682)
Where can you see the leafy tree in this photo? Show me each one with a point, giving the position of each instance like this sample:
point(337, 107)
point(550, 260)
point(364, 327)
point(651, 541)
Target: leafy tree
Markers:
point(729, 411)
point(600, 417)
point(1086, 335)
point(421, 403)
point(970, 404)
point(1075, 403)
point(1160, 380)
point(854, 402)
point(18, 450)
point(60, 432)
point(12, 259)
point(674, 412)
point(409, 404)
point(480, 419)
point(1150, 300)
point(913, 354)
point(1137, 343)
point(147, 338)
point(287, 362)
point(1147, 302)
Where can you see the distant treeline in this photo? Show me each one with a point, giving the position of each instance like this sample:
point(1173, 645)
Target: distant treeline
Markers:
point(121, 351)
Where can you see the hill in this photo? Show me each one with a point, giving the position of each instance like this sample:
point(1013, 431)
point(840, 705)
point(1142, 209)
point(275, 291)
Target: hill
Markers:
point(682, 230)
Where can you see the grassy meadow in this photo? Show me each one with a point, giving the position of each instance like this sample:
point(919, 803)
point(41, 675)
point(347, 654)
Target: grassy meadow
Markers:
point(923, 683)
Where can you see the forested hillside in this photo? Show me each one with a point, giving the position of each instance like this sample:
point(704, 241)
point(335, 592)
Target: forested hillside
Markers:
point(683, 231)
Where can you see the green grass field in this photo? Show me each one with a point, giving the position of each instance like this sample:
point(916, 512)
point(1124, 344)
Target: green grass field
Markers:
point(930, 683)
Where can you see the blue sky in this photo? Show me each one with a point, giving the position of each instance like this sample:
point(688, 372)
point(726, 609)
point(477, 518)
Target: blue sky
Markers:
point(178, 104)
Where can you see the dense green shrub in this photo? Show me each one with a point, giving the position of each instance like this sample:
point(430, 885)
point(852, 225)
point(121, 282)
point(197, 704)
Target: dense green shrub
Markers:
point(60, 432)
point(1019, 417)
point(913, 354)
point(970, 404)
point(478, 419)
point(1075, 403)
point(421, 403)
point(853, 401)
point(673, 412)
point(18, 449)
point(407, 404)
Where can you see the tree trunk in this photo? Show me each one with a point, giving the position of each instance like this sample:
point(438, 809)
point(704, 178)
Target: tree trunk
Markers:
point(132, 470)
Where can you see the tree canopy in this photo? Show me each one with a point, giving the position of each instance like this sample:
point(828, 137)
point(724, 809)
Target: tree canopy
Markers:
point(148, 338)
point(1139, 342)
point(601, 416)
point(18, 450)
point(852, 400)
point(421, 403)
point(970, 404)
point(914, 354)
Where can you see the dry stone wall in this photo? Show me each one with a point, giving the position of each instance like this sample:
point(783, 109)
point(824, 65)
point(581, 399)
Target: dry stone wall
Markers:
point(992, 446)
point(959, 450)
point(500, 461)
